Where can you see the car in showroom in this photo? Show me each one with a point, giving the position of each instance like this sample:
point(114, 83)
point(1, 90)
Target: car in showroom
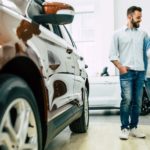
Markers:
point(44, 86)
point(105, 93)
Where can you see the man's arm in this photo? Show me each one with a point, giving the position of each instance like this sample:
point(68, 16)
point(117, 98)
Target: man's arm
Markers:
point(122, 69)
point(114, 55)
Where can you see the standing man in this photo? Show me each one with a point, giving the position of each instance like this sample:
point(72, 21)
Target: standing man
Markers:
point(127, 55)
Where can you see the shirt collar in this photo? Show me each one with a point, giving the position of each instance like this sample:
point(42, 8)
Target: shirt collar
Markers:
point(126, 28)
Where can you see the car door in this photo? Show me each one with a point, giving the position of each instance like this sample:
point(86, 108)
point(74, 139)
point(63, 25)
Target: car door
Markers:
point(79, 70)
point(61, 70)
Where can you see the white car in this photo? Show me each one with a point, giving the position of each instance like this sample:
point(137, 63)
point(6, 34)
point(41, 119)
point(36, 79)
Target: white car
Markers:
point(105, 93)
point(43, 82)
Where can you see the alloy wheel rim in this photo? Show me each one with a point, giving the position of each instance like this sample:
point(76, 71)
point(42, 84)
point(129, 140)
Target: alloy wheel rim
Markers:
point(18, 128)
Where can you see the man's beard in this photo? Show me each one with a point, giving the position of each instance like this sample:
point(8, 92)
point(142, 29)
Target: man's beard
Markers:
point(135, 24)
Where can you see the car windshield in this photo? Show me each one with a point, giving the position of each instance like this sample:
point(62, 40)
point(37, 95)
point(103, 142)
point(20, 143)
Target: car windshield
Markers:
point(17, 5)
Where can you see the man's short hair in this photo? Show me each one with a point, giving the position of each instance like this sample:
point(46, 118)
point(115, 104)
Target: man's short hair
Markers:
point(132, 9)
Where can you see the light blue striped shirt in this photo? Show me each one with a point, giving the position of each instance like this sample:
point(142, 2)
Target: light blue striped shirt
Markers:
point(127, 48)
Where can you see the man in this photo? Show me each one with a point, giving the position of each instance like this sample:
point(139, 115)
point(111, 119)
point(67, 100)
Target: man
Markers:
point(127, 55)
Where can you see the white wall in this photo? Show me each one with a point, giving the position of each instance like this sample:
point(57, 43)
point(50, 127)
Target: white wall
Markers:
point(97, 56)
point(104, 15)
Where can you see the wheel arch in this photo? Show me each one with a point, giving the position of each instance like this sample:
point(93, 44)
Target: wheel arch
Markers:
point(25, 68)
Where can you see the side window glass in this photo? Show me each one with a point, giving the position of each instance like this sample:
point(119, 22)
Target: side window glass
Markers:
point(66, 35)
point(57, 30)
point(73, 43)
point(46, 26)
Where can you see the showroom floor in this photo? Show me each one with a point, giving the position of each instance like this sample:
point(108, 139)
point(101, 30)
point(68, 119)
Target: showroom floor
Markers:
point(104, 129)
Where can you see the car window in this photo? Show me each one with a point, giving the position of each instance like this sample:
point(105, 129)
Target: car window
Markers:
point(46, 26)
point(73, 43)
point(57, 30)
point(66, 35)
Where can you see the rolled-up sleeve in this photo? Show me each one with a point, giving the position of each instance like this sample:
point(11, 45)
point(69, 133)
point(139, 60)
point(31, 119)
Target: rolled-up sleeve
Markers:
point(114, 48)
point(146, 51)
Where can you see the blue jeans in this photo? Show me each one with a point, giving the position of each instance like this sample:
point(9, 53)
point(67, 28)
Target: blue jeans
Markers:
point(131, 92)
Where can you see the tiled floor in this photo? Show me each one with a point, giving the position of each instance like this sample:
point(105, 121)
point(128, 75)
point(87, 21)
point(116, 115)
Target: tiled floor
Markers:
point(104, 129)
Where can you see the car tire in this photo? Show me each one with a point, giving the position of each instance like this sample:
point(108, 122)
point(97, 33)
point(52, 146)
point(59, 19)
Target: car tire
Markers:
point(81, 125)
point(20, 126)
point(145, 109)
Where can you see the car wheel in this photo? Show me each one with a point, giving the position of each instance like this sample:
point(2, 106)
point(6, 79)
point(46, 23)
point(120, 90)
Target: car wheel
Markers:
point(81, 125)
point(20, 126)
point(145, 104)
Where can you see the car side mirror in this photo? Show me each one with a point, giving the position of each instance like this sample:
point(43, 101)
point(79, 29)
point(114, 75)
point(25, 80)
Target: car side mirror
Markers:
point(105, 72)
point(55, 13)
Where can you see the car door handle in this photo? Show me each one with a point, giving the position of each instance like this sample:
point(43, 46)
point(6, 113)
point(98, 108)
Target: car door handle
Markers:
point(69, 51)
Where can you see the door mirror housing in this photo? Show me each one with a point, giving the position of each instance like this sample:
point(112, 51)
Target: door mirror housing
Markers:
point(55, 13)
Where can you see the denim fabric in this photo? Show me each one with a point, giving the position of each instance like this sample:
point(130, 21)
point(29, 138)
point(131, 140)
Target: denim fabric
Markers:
point(131, 92)
point(147, 86)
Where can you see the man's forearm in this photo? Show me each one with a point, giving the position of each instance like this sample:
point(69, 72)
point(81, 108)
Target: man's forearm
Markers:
point(117, 63)
point(122, 69)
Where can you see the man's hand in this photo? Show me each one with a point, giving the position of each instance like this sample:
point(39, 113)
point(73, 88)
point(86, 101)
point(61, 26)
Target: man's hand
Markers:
point(122, 69)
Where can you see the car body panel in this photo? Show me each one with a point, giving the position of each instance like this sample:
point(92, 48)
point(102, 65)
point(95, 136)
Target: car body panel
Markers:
point(104, 92)
point(70, 114)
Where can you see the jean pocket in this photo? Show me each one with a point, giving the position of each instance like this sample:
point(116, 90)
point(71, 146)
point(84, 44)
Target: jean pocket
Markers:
point(124, 75)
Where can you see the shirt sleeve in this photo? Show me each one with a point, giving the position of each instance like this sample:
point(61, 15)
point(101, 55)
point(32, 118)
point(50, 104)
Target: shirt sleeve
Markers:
point(147, 43)
point(146, 50)
point(114, 49)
